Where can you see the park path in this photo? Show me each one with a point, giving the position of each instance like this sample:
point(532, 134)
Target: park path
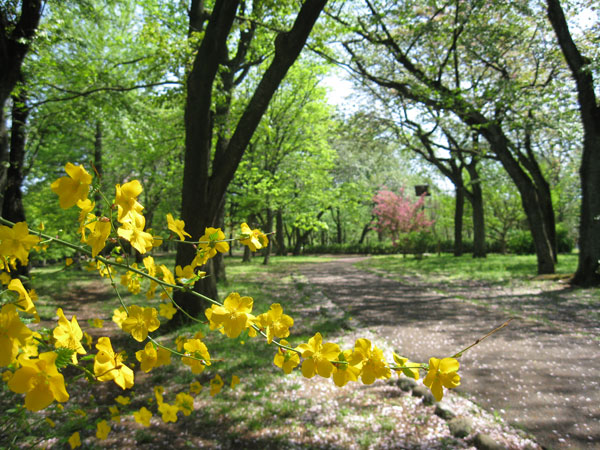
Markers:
point(542, 375)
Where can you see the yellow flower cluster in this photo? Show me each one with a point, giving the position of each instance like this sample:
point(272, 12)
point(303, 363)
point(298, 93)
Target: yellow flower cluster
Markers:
point(38, 375)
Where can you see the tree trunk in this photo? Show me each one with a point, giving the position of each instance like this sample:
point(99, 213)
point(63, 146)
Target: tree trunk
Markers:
point(476, 199)
point(15, 39)
point(205, 181)
point(267, 252)
point(12, 208)
point(98, 165)
point(280, 234)
point(459, 208)
point(589, 227)
point(365, 230)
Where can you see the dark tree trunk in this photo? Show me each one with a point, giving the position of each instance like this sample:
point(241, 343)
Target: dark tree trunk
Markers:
point(269, 229)
point(476, 199)
point(280, 233)
point(3, 155)
point(12, 208)
point(339, 226)
point(98, 167)
point(365, 230)
point(589, 227)
point(204, 181)
point(15, 40)
point(459, 207)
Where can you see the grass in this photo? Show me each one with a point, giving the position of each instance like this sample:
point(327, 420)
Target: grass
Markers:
point(495, 268)
point(267, 410)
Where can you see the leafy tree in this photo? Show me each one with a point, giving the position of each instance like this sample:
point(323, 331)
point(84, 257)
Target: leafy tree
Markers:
point(583, 75)
point(398, 215)
point(17, 30)
point(206, 174)
point(454, 59)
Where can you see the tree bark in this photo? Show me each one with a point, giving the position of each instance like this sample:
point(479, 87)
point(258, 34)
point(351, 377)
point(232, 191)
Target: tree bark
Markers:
point(269, 229)
point(280, 234)
point(459, 207)
point(589, 227)
point(476, 199)
point(12, 208)
point(204, 181)
point(15, 40)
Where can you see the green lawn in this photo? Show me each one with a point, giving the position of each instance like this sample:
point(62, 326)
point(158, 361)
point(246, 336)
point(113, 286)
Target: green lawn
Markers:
point(446, 267)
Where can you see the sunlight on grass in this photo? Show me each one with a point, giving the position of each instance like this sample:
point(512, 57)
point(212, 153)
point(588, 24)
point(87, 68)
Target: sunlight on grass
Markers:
point(446, 267)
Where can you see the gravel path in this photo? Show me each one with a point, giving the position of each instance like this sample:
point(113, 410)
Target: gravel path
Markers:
point(542, 374)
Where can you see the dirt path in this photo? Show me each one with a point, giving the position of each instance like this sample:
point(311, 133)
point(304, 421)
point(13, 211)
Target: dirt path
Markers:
point(542, 375)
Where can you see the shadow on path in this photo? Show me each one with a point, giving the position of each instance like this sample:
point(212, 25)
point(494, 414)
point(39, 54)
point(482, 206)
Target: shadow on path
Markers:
point(542, 375)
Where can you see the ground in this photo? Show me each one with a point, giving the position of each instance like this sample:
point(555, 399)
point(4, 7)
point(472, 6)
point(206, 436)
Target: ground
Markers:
point(540, 374)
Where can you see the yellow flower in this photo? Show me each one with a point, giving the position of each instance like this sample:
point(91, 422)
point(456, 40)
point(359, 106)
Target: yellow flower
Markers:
point(196, 350)
point(5, 278)
point(275, 322)
point(132, 281)
point(30, 349)
point(318, 356)
point(133, 231)
point(102, 430)
point(122, 400)
point(158, 393)
point(186, 275)
point(88, 339)
point(235, 380)
point(97, 323)
point(195, 387)
point(140, 321)
point(254, 239)
point(126, 199)
point(216, 384)
point(371, 361)
point(176, 226)
point(75, 440)
point(68, 335)
point(344, 373)
point(169, 412)
point(13, 334)
point(150, 265)
point(167, 278)
point(50, 422)
point(167, 310)
point(73, 188)
point(100, 230)
point(234, 315)
point(143, 416)
point(442, 373)
point(185, 403)
point(151, 357)
point(17, 242)
point(109, 366)
point(286, 359)
point(212, 242)
point(115, 415)
point(409, 369)
point(119, 316)
point(40, 381)
point(25, 303)
point(68, 262)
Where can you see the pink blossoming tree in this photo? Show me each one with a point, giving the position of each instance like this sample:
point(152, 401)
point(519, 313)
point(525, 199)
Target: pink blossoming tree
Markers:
point(398, 214)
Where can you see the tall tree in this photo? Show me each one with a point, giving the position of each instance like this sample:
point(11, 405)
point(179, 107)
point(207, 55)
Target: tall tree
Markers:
point(452, 58)
point(207, 175)
point(17, 29)
point(589, 228)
